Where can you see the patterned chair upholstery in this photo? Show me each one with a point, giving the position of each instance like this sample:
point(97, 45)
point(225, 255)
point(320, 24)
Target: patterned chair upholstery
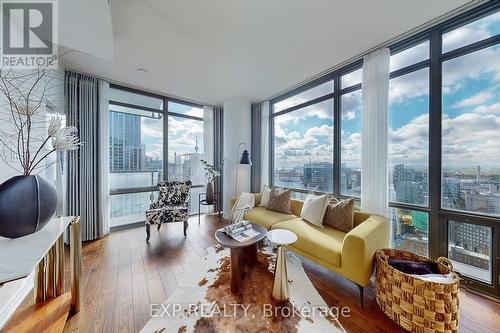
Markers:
point(172, 205)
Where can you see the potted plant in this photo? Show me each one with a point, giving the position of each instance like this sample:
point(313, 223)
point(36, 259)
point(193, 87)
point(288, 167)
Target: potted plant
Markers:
point(27, 138)
point(211, 172)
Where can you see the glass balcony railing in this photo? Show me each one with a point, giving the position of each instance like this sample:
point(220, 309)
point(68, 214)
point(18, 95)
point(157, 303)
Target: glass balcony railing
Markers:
point(120, 180)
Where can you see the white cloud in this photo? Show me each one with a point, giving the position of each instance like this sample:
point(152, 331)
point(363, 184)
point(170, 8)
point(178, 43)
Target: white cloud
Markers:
point(471, 139)
point(349, 115)
point(323, 130)
point(470, 33)
point(471, 66)
point(305, 96)
point(493, 108)
point(351, 149)
point(479, 98)
point(409, 143)
point(412, 85)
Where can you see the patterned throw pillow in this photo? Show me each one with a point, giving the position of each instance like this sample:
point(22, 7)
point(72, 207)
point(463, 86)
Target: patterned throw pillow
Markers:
point(339, 214)
point(279, 200)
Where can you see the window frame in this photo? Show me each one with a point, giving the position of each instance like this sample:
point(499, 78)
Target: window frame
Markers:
point(336, 97)
point(166, 114)
point(437, 216)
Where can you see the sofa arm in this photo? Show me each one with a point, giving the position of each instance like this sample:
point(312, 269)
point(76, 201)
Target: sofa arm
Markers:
point(359, 247)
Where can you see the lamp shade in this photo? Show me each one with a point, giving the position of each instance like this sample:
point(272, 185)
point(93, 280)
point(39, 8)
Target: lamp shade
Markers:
point(245, 158)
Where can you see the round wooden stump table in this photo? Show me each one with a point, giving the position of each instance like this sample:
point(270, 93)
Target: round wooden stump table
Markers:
point(243, 254)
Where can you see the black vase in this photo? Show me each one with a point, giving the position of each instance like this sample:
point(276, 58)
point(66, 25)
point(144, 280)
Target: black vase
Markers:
point(27, 203)
point(209, 197)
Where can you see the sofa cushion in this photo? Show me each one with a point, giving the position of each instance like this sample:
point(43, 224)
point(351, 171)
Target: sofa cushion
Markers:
point(340, 214)
point(265, 217)
point(279, 200)
point(324, 243)
point(314, 209)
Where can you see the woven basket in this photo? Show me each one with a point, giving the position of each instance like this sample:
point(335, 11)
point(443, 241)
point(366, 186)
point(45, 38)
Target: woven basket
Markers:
point(414, 304)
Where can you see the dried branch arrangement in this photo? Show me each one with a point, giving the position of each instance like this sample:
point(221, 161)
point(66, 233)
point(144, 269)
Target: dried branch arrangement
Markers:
point(27, 135)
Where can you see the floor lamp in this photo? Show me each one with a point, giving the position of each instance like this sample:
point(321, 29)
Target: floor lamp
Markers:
point(245, 160)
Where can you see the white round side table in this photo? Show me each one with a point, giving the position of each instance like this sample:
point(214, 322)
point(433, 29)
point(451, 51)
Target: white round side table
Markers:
point(281, 237)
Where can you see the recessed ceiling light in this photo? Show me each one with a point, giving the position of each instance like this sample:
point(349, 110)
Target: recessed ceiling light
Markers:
point(144, 70)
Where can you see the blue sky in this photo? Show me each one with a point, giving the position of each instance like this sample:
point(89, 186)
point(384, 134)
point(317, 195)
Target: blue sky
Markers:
point(471, 111)
point(182, 132)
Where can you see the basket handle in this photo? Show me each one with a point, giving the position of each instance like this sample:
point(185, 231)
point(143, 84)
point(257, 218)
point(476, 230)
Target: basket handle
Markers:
point(383, 256)
point(445, 261)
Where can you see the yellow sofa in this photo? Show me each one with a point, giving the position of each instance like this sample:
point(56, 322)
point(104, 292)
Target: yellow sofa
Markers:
point(350, 255)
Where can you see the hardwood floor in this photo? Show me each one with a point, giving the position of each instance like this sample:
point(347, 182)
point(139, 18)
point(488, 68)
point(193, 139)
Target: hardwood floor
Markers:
point(123, 275)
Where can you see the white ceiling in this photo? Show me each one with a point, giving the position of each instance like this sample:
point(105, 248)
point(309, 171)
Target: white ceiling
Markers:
point(210, 51)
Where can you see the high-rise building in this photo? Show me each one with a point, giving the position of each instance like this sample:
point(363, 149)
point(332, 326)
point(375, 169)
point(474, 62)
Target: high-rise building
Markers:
point(126, 151)
point(450, 188)
point(318, 176)
point(398, 175)
point(409, 192)
point(470, 244)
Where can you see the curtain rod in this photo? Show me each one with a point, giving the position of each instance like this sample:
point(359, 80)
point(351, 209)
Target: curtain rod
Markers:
point(394, 40)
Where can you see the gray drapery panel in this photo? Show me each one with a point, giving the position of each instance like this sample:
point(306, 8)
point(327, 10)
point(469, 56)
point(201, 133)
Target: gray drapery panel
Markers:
point(255, 181)
point(82, 111)
point(218, 151)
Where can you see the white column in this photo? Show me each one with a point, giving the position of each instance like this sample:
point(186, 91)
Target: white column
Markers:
point(237, 129)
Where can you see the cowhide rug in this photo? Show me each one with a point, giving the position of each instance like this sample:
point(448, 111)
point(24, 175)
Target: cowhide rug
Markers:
point(203, 302)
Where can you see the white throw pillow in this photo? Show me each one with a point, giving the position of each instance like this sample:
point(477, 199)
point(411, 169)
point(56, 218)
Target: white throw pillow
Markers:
point(314, 208)
point(264, 199)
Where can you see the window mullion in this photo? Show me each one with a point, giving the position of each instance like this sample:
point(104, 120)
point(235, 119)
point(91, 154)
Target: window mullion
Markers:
point(336, 136)
point(437, 233)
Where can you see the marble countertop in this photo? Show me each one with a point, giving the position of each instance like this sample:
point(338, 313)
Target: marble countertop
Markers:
point(19, 256)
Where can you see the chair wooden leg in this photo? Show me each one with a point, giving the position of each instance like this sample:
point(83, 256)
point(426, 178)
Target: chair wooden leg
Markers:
point(361, 289)
point(148, 232)
point(185, 227)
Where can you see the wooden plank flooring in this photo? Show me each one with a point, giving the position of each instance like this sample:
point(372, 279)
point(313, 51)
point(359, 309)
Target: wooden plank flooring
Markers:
point(123, 274)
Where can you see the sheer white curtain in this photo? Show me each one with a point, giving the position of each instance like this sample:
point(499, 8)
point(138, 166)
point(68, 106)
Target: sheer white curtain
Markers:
point(208, 140)
point(208, 134)
point(264, 166)
point(374, 132)
point(104, 156)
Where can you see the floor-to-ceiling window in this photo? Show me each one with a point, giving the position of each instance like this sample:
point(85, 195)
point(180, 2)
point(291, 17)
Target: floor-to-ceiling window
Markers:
point(408, 158)
point(303, 140)
point(141, 127)
point(470, 149)
point(444, 142)
point(186, 147)
point(351, 105)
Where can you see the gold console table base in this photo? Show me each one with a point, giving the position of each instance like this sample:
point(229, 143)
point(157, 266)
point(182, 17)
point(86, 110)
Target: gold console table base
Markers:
point(49, 276)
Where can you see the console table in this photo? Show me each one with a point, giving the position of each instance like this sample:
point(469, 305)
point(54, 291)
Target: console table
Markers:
point(37, 261)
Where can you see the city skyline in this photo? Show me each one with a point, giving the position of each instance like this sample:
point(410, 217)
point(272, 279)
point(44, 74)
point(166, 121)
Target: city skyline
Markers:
point(136, 157)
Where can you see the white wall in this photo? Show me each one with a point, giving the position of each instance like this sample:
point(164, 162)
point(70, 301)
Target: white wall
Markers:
point(237, 129)
point(54, 96)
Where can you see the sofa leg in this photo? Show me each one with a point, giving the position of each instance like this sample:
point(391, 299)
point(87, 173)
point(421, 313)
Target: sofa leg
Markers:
point(361, 289)
point(158, 227)
point(185, 227)
point(148, 232)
